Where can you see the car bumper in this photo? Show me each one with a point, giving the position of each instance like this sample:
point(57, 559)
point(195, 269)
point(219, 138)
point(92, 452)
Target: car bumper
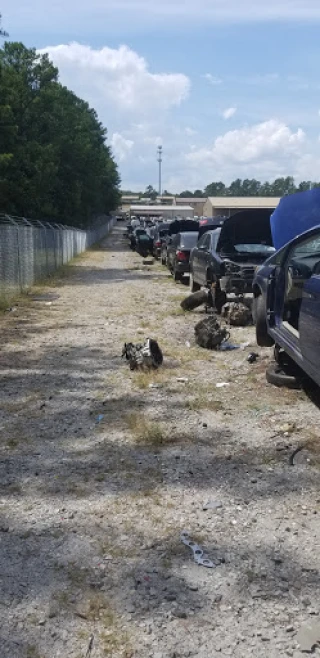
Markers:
point(182, 268)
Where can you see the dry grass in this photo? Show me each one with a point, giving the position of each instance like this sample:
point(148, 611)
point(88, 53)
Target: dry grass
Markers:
point(204, 402)
point(150, 433)
point(145, 431)
point(144, 379)
point(33, 652)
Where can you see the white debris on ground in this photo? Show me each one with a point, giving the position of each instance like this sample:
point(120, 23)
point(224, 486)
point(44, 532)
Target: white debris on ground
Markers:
point(102, 469)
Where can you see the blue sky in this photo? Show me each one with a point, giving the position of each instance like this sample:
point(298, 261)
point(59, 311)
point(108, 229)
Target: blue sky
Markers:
point(230, 89)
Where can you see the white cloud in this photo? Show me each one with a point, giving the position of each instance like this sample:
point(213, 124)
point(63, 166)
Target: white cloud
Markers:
point(264, 140)
point(229, 112)
point(121, 147)
point(117, 78)
point(212, 79)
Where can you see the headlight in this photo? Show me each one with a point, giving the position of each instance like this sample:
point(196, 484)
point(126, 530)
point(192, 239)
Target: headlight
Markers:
point(230, 267)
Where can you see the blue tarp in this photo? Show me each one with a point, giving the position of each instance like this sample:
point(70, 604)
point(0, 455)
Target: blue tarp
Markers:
point(294, 215)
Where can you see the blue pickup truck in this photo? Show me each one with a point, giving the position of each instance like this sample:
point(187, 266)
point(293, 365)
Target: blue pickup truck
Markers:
point(286, 288)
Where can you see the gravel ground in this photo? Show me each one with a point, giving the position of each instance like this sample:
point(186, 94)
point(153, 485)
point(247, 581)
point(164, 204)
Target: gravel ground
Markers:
point(101, 469)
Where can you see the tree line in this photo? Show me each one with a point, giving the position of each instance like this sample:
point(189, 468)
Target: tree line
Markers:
point(54, 160)
point(247, 187)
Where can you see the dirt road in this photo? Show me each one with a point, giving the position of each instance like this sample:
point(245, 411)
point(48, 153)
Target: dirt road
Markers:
point(102, 469)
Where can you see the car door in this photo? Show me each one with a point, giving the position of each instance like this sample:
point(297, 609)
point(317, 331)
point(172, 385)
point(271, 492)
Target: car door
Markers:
point(309, 321)
point(310, 324)
point(213, 260)
point(204, 255)
point(194, 261)
point(293, 300)
point(172, 249)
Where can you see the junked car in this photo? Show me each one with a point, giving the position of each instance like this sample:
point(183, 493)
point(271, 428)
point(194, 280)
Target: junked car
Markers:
point(178, 253)
point(159, 236)
point(228, 256)
point(286, 305)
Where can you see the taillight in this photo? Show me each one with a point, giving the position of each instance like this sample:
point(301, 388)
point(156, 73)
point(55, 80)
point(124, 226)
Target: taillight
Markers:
point(181, 255)
point(158, 243)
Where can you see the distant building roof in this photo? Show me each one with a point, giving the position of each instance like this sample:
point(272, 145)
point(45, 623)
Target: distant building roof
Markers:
point(192, 199)
point(159, 207)
point(244, 201)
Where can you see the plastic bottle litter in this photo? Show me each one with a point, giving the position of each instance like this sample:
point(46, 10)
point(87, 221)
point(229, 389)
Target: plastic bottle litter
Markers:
point(99, 418)
point(222, 384)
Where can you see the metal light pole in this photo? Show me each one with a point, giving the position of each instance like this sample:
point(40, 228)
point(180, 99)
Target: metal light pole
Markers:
point(159, 153)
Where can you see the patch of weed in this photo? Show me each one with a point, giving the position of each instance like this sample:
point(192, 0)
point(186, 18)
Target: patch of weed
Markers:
point(146, 431)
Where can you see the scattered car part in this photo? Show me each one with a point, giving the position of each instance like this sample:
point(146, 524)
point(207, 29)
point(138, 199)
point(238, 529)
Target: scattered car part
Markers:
point(90, 646)
point(253, 356)
point(280, 377)
point(194, 300)
point(209, 333)
point(143, 356)
point(295, 452)
point(237, 314)
point(197, 551)
point(308, 636)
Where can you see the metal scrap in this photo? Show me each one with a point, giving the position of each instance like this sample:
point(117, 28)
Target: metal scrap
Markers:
point(308, 636)
point(198, 552)
point(295, 452)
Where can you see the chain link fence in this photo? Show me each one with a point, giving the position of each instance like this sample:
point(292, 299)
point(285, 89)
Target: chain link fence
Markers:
point(31, 250)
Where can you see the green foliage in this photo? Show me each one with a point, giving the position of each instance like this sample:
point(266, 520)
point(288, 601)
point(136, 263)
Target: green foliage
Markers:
point(150, 193)
point(54, 161)
point(3, 33)
point(251, 187)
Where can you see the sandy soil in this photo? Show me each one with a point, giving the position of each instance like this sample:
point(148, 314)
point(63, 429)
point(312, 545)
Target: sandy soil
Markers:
point(101, 469)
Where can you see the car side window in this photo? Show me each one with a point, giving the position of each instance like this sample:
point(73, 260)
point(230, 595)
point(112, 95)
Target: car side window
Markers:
point(175, 240)
point(207, 243)
point(201, 241)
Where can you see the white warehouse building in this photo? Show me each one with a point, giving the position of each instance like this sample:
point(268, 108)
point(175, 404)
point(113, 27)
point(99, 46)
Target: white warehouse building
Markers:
point(168, 212)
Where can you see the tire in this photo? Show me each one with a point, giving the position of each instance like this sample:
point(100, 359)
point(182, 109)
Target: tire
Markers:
point(193, 285)
point(209, 278)
point(277, 376)
point(163, 260)
point(260, 319)
point(196, 299)
point(177, 275)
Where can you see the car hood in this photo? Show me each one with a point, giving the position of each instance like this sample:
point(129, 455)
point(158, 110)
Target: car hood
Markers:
point(245, 227)
point(183, 226)
point(294, 215)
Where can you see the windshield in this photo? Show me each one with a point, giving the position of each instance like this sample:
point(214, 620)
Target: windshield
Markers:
point(254, 249)
point(189, 240)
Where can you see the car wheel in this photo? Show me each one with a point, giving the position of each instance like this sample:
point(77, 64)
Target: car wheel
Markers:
point(193, 285)
point(177, 275)
point(163, 260)
point(260, 319)
point(283, 377)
